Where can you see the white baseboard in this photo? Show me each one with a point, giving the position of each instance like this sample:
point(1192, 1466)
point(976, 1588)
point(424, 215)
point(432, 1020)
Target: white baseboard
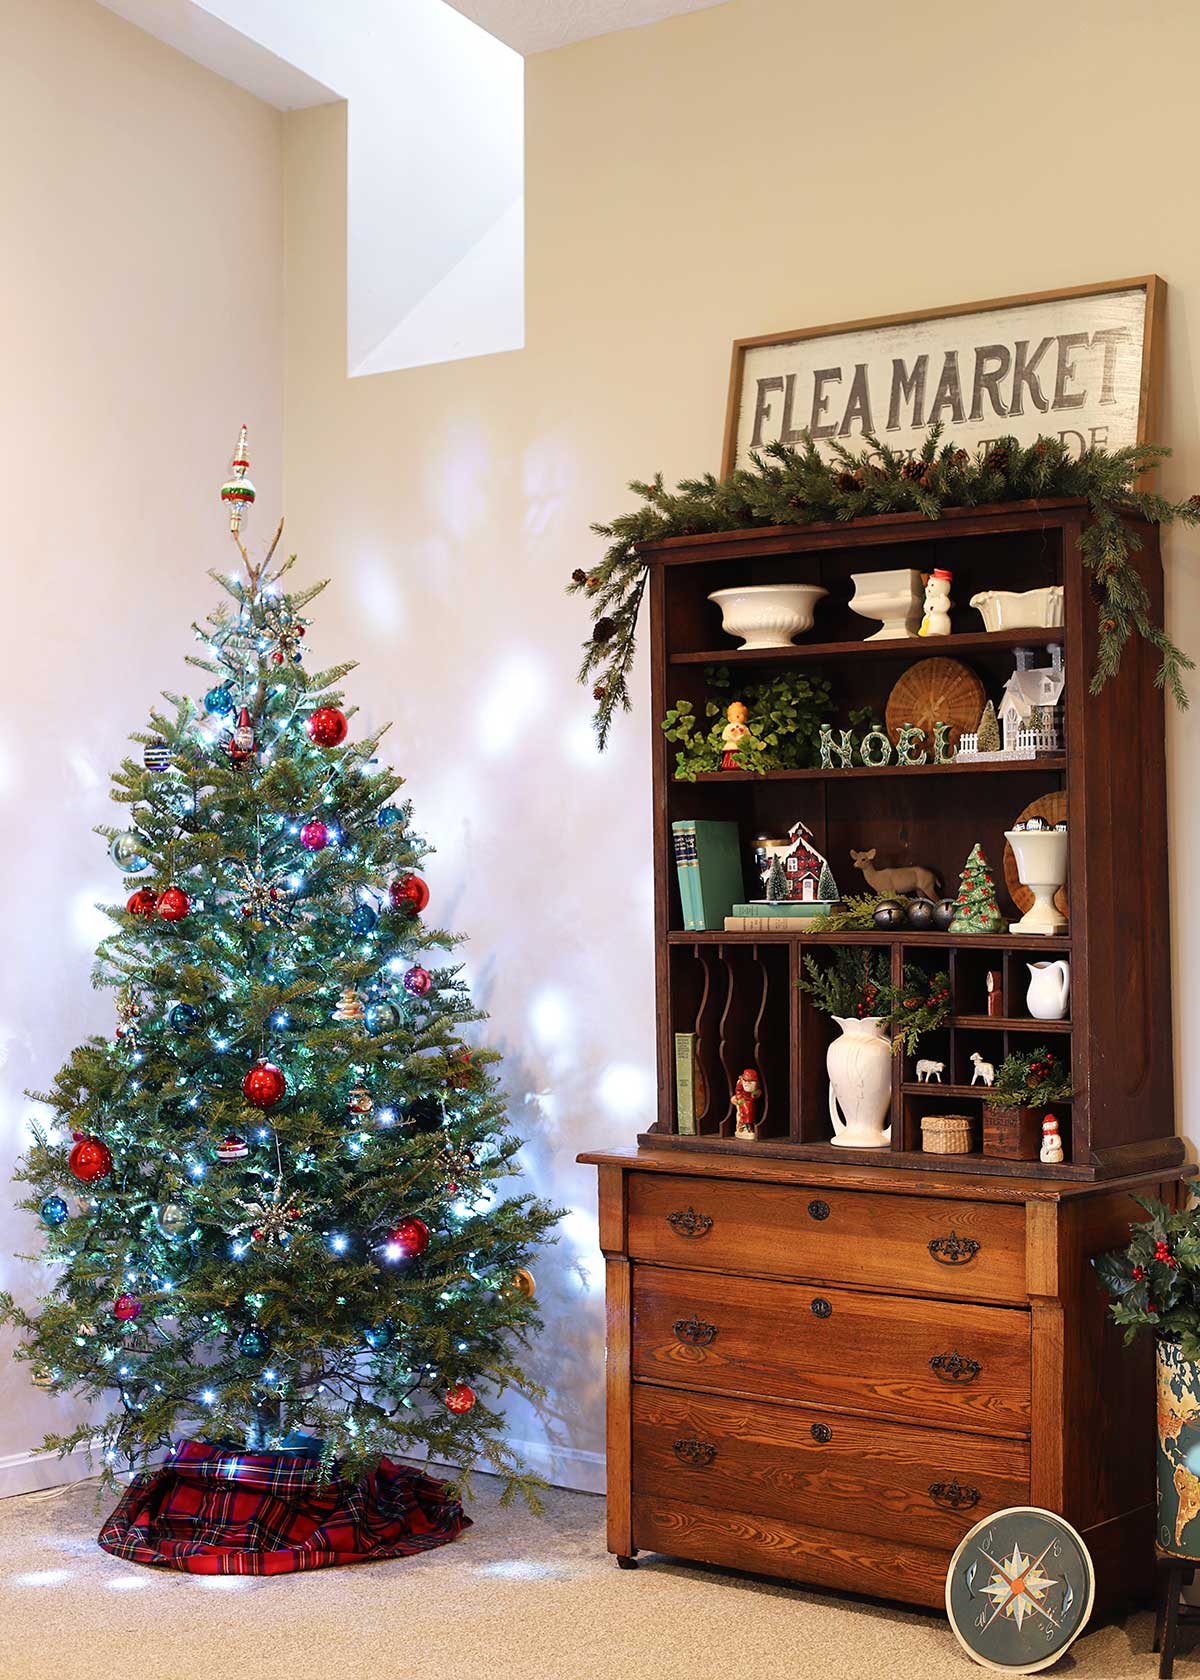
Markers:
point(30, 1472)
point(565, 1467)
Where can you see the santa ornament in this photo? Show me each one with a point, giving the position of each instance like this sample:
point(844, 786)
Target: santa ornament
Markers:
point(747, 1094)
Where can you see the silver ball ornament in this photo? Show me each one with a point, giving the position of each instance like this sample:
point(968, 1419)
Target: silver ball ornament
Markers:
point(127, 853)
point(173, 1221)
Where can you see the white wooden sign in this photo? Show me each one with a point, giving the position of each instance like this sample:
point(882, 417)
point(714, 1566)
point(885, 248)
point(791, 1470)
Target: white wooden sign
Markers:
point(1078, 364)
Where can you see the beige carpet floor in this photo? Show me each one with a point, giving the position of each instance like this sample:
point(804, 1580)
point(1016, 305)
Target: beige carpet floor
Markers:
point(517, 1598)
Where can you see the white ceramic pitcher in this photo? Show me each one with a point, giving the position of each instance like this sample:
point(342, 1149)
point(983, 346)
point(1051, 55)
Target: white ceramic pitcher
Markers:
point(860, 1080)
point(1049, 989)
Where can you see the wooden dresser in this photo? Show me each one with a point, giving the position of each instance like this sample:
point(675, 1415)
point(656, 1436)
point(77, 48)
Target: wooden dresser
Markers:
point(830, 1373)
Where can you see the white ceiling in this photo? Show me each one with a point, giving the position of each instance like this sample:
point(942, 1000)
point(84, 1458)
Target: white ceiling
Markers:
point(532, 26)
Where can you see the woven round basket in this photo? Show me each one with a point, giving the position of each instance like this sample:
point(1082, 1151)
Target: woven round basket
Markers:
point(946, 1134)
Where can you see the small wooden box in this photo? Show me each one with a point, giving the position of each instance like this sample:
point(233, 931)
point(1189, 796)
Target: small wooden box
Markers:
point(1012, 1134)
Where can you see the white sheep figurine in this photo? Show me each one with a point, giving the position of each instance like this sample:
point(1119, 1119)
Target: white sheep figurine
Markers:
point(930, 1070)
point(983, 1070)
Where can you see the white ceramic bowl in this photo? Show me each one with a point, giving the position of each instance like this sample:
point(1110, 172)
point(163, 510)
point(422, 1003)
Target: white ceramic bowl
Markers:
point(1030, 609)
point(768, 615)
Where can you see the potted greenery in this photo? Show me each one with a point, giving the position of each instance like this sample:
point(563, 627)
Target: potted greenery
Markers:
point(1155, 1285)
point(1012, 1116)
point(854, 986)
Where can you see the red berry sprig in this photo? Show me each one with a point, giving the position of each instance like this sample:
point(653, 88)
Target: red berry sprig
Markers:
point(1163, 1255)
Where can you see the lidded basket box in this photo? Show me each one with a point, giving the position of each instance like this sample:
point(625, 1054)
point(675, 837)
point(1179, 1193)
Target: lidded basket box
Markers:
point(946, 1134)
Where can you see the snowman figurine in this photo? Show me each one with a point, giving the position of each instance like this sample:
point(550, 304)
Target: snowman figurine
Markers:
point(1052, 1146)
point(936, 621)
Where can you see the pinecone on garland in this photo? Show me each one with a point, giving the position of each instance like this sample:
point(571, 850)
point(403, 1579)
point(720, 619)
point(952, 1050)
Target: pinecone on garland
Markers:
point(604, 630)
point(913, 469)
point(600, 692)
point(996, 459)
point(579, 575)
point(592, 583)
point(848, 482)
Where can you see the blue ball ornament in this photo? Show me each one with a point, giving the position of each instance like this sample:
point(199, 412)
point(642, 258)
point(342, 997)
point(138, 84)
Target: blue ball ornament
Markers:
point(363, 919)
point(389, 816)
point(381, 1016)
point(218, 701)
point(54, 1211)
point(126, 852)
point(254, 1342)
point(378, 1336)
point(184, 1018)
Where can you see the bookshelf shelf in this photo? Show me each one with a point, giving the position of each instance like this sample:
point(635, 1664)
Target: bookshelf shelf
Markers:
point(733, 997)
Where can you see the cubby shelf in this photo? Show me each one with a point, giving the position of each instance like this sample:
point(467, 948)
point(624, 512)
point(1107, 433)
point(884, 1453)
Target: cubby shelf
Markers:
point(886, 936)
point(931, 1088)
point(1000, 1023)
point(997, 767)
point(912, 647)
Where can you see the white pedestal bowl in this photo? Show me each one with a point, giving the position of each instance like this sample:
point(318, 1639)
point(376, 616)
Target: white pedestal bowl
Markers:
point(767, 615)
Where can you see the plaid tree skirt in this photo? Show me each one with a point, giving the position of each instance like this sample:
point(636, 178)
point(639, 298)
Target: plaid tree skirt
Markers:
point(213, 1511)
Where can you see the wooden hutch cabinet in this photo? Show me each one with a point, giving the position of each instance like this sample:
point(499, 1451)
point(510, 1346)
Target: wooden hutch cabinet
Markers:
point(828, 1363)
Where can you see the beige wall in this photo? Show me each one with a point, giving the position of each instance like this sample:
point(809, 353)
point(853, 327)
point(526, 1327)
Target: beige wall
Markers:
point(141, 299)
point(766, 164)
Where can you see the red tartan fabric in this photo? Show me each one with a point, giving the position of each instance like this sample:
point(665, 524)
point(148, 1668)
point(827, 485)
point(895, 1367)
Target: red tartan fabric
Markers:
point(215, 1512)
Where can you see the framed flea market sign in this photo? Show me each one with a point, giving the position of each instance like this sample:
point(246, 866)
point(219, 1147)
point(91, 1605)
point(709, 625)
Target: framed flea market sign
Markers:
point(1079, 364)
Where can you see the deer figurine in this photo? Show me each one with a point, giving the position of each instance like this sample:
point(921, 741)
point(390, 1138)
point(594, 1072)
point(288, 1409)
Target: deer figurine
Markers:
point(914, 879)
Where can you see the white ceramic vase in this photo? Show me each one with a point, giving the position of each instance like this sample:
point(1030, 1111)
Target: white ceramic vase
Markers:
point(1041, 856)
point(895, 597)
point(1049, 990)
point(860, 1083)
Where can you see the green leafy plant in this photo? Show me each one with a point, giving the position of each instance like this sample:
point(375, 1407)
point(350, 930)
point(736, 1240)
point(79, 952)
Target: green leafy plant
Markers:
point(856, 980)
point(1155, 1279)
point(1028, 1079)
point(785, 714)
point(801, 486)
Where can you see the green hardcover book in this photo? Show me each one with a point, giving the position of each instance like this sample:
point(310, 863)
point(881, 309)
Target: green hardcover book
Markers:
point(708, 857)
point(685, 1084)
point(793, 909)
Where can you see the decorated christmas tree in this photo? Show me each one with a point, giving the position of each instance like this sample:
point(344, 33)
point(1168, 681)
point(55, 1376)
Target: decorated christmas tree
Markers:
point(975, 908)
point(270, 1200)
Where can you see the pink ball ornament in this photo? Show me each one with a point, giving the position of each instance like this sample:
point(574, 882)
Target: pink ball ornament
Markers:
point(126, 1308)
point(417, 981)
point(314, 836)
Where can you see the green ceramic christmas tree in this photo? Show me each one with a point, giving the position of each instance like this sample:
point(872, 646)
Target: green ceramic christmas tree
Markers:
point(975, 908)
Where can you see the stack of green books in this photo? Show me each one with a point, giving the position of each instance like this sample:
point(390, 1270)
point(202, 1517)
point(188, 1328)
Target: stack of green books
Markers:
point(708, 860)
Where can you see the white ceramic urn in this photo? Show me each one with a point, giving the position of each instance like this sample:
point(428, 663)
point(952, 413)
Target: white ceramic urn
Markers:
point(1041, 856)
point(860, 1083)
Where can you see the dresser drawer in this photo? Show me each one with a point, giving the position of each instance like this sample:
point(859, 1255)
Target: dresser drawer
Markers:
point(918, 1487)
point(933, 1362)
point(920, 1245)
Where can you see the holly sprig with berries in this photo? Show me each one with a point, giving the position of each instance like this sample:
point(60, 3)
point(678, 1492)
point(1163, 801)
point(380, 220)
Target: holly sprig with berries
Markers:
point(803, 486)
point(856, 981)
point(1155, 1279)
point(1029, 1078)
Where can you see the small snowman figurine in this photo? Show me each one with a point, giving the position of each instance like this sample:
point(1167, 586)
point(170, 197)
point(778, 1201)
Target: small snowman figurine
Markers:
point(937, 604)
point(746, 1096)
point(1052, 1146)
point(735, 735)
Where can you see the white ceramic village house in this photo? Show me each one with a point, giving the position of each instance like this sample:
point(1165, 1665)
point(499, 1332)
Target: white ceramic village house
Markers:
point(1030, 710)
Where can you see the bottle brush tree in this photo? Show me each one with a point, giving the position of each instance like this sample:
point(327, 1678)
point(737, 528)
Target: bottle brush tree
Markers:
point(270, 1202)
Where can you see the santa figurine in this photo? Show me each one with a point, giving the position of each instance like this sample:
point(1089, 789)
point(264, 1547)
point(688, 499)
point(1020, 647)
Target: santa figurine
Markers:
point(735, 734)
point(747, 1094)
point(1052, 1145)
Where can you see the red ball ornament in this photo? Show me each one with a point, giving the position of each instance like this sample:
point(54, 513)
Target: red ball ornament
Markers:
point(417, 981)
point(142, 902)
point(410, 1237)
point(314, 836)
point(459, 1399)
point(174, 905)
point(327, 727)
point(264, 1085)
point(90, 1159)
point(126, 1308)
point(409, 893)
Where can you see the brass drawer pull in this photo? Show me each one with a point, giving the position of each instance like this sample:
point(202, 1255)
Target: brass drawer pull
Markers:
point(697, 1452)
point(821, 1432)
point(821, 1307)
point(955, 1367)
point(953, 1496)
point(818, 1210)
point(953, 1250)
point(695, 1331)
point(690, 1223)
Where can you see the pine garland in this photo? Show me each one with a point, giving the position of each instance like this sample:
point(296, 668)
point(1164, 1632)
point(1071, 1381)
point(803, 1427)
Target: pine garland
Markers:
point(800, 486)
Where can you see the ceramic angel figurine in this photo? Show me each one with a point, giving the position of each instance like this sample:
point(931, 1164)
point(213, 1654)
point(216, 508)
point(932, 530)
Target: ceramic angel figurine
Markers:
point(735, 735)
point(1052, 1144)
point(747, 1094)
point(937, 604)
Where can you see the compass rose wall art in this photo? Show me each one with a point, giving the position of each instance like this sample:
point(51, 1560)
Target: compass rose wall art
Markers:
point(1019, 1589)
